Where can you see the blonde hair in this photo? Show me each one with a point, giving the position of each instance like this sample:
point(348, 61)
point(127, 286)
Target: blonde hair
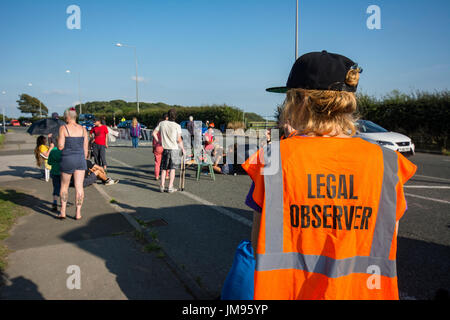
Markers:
point(70, 113)
point(322, 112)
point(134, 122)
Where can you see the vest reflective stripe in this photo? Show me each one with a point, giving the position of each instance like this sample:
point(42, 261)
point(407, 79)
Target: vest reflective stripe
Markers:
point(273, 179)
point(274, 257)
point(386, 218)
point(332, 268)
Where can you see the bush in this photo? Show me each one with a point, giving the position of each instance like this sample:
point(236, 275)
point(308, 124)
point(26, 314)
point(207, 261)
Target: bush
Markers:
point(423, 116)
point(219, 114)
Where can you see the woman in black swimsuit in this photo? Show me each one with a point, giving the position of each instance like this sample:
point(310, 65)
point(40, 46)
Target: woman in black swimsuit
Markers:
point(73, 141)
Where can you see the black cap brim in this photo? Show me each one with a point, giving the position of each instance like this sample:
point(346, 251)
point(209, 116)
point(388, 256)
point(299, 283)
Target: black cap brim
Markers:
point(278, 89)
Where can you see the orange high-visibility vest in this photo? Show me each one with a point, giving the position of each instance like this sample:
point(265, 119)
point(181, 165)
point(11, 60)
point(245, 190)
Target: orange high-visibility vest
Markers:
point(330, 208)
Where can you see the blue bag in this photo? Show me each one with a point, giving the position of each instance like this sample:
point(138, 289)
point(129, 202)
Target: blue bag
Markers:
point(239, 284)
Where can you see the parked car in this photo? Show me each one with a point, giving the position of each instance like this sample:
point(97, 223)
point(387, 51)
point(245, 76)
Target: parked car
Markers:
point(26, 123)
point(87, 124)
point(127, 124)
point(15, 123)
point(392, 140)
point(86, 117)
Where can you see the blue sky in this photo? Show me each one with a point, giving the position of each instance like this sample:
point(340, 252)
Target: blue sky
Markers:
point(200, 52)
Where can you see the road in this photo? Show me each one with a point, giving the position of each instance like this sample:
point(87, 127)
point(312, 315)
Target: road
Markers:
point(200, 228)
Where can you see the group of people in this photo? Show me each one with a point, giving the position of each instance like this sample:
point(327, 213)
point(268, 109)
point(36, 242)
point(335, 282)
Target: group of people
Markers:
point(326, 204)
point(66, 160)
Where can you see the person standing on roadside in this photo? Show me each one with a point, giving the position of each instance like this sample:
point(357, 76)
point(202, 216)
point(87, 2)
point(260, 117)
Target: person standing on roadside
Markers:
point(73, 142)
point(171, 141)
point(54, 159)
point(135, 132)
point(327, 203)
point(158, 152)
point(100, 135)
point(190, 126)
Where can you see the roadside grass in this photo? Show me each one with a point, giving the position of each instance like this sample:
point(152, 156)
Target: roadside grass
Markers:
point(152, 247)
point(9, 212)
point(2, 138)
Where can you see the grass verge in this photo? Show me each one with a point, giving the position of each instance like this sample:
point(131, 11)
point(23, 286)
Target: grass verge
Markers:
point(10, 210)
point(2, 138)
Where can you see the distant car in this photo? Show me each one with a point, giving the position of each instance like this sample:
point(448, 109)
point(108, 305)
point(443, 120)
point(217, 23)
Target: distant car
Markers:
point(392, 140)
point(7, 123)
point(87, 124)
point(184, 123)
point(86, 117)
point(15, 123)
point(26, 123)
point(127, 124)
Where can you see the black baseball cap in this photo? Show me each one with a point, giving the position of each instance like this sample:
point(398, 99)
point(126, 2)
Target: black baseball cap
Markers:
point(319, 71)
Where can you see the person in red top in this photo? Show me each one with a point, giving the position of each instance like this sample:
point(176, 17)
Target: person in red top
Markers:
point(100, 135)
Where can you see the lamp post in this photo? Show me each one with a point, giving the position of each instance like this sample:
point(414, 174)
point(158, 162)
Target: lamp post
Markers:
point(135, 59)
point(4, 114)
point(40, 106)
point(79, 90)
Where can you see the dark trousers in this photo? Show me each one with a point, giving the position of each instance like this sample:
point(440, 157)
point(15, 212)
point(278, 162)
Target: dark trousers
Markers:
point(99, 153)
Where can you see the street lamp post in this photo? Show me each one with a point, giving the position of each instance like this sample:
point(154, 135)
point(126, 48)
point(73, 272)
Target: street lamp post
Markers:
point(79, 90)
point(40, 106)
point(4, 114)
point(136, 62)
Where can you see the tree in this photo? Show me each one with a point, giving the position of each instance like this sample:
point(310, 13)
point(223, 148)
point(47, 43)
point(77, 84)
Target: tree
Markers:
point(251, 116)
point(29, 104)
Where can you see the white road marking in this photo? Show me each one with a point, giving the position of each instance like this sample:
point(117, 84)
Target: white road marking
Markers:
point(427, 187)
point(418, 175)
point(213, 206)
point(426, 198)
point(124, 164)
point(217, 208)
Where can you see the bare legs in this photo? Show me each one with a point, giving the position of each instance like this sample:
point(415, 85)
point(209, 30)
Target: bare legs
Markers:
point(171, 178)
point(65, 182)
point(78, 177)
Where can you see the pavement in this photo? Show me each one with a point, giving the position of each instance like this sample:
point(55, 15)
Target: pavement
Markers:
point(200, 228)
point(111, 257)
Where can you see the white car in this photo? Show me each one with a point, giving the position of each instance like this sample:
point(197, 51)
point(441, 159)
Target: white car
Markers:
point(392, 140)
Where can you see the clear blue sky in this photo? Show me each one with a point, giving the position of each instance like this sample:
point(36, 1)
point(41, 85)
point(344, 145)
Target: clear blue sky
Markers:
point(201, 52)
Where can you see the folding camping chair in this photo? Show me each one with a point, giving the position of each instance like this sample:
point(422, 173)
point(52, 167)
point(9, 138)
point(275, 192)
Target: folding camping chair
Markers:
point(203, 159)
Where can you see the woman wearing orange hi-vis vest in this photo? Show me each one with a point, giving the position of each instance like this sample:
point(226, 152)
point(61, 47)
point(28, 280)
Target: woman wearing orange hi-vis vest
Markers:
point(329, 202)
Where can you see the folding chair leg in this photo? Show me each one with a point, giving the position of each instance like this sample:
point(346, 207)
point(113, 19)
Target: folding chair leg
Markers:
point(211, 172)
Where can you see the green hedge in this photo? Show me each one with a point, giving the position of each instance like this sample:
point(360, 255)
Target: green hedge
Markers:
point(423, 116)
point(220, 115)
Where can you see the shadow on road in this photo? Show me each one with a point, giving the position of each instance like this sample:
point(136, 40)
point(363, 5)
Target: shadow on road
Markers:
point(20, 288)
point(26, 200)
point(422, 267)
point(23, 172)
point(139, 275)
